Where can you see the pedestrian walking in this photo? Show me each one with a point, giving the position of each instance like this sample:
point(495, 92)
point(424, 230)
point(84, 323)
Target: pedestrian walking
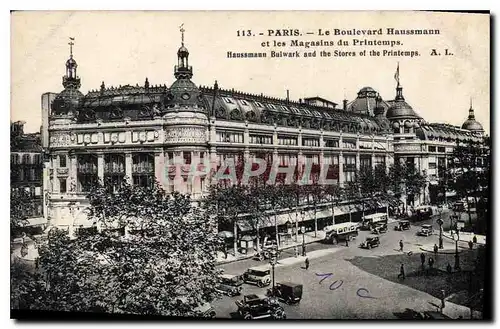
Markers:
point(347, 242)
point(422, 258)
point(400, 245)
point(402, 272)
point(307, 263)
point(474, 239)
point(431, 262)
point(435, 249)
point(448, 268)
point(296, 251)
point(471, 244)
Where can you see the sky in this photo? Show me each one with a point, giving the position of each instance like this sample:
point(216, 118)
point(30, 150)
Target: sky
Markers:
point(122, 48)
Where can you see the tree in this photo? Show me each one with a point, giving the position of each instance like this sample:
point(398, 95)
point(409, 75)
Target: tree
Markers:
point(21, 205)
point(469, 168)
point(152, 254)
point(405, 179)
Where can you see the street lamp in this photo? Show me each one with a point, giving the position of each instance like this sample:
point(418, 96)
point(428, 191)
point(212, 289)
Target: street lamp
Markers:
point(303, 231)
point(440, 223)
point(457, 257)
point(272, 260)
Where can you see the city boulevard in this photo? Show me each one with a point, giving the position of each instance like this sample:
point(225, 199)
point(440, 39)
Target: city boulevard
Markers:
point(354, 283)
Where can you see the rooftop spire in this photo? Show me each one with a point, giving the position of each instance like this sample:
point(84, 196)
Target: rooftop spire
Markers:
point(471, 111)
point(182, 33)
point(71, 44)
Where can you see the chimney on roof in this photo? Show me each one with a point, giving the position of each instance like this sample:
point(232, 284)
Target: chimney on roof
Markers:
point(287, 95)
point(344, 102)
point(300, 100)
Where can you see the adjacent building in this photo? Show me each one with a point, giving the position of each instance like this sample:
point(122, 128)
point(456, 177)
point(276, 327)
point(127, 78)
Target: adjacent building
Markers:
point(26, 168)
point(137, 132)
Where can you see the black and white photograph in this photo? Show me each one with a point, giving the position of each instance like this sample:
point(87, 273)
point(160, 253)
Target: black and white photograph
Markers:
point(244, 165)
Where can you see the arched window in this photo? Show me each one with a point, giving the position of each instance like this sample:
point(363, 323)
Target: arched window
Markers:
point(26, 159)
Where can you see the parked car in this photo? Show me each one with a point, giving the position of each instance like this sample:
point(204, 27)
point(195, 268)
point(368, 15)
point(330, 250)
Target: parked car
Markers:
point(206, 310)
point(290, 293)
point(370, 242)
point(261, 276)
point(230, 284)
point(379, 228)
point(426, 230)
point(259, 307)
point(402, 225)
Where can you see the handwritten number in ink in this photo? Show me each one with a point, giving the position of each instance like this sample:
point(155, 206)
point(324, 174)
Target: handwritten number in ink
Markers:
point(364, 293)
point(326, 276)
point(333, 287)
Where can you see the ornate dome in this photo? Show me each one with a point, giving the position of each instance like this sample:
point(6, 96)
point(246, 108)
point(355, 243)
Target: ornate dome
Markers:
point(471, 123)
point(400, 109)
point(67, 101)
point(182, 51)
point(183, 92)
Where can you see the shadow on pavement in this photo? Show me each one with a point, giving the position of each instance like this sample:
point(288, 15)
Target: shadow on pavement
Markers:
point(431, 281)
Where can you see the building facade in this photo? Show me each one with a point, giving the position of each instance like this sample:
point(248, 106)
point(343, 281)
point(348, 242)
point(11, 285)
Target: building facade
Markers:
point(139, 133)
point(26, 171)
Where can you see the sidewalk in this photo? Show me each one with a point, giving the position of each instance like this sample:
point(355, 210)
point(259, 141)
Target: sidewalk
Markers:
point(466, 237)
point(308, 239)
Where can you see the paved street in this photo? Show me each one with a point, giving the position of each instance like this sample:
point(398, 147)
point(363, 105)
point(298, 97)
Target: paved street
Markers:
point(354, 268)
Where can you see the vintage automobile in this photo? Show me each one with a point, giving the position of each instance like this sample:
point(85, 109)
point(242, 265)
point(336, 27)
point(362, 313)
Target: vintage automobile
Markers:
point(370, 242)
point(290, 293)
point(230, 284)
point(259, 307)
point(206, 310)
point(426, 230)
point(261, 276)
point(341, 232)
point(379, 228)
point(402, 225)
point(422, 213)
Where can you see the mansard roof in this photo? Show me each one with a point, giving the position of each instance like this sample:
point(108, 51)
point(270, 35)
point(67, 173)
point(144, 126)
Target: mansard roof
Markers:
point(142, 102)
point(240, 106)
point(446, 132)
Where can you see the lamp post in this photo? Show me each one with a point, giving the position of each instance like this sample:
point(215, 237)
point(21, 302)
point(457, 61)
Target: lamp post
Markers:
point(457, 257)
point(303, 231)
point(272, 260)
point(440, 223)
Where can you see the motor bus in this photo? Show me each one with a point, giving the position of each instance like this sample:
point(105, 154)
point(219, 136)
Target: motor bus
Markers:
point(341, 232)
point(370, 220)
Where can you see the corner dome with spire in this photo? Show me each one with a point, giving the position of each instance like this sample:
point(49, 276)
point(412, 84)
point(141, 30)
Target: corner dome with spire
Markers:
point(68, 100)
point(399, 108)
point(471, 123)
point(183, 92)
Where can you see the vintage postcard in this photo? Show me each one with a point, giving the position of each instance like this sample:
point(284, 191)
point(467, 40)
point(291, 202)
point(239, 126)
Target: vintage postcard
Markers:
point(250, 165)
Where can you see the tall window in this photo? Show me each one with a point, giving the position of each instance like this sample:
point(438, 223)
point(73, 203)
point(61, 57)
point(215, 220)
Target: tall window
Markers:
point(62, 185)
point(87, 172)
point(310, 142)
point(349, 167)
point(187, 157)
point(229, 137)
point(26, 159)
point(143, 170)
point(114, 171)
point(261, 139)
point(287, 140)
point(62, 160)
point(365, 162)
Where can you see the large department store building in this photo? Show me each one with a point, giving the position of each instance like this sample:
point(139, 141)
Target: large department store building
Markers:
point(135, 132)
